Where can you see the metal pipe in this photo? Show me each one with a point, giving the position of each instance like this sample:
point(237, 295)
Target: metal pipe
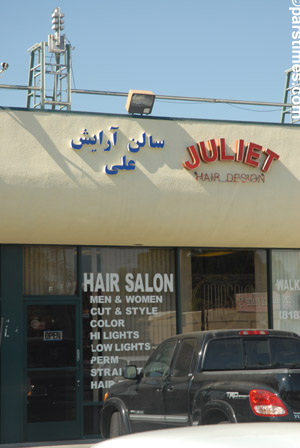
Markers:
point(160, 97)
point(185, 98)
point(16, 87)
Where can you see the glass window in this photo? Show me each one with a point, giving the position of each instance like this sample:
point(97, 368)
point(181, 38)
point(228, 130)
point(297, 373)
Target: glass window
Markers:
point(51, 396)
point(51, 331)
point(286, 289)
point(51, 363)
point(251, 353)
point(49, 270)
point(257, 352)
point(285, 352)
point(223, 354)
point(223, 289)
point(160, 362)
point(184, 361)
point(129, 308)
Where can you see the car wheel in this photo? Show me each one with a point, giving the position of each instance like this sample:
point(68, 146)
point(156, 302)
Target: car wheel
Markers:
point(116, 426)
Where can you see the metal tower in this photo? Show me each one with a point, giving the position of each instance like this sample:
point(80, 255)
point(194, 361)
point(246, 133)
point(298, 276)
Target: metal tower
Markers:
point(50, 71)
point(291, 96)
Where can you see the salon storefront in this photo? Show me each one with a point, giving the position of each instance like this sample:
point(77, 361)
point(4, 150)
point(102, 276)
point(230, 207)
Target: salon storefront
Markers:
point(117, 232)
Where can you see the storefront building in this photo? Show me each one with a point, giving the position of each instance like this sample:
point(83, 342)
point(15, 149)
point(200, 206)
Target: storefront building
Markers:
point(117, 232)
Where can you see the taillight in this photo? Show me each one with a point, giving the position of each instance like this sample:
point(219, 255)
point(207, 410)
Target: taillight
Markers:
point(265, 403)
point(255, 332)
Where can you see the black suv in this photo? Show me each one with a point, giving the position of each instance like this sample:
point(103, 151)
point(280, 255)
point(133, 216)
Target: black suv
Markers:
point(206, 378)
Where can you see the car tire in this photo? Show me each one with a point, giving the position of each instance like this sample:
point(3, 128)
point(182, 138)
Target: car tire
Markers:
point(116, 426)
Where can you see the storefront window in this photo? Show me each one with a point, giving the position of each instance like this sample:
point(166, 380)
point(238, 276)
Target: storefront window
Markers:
point(50, 270)
point(223, 289)
point(128, 309)
point(286, 289)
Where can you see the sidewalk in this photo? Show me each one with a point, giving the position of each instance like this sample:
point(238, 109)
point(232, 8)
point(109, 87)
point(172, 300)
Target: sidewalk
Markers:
point(55, 444)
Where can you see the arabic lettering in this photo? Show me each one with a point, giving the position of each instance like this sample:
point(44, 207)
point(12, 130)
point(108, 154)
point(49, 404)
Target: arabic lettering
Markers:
point(133, 146)
point(108, 146)
point(140, 144)
point(130, 165)
point(85, 140)
point(157, 144)
point(100, 141)
point(114, 136)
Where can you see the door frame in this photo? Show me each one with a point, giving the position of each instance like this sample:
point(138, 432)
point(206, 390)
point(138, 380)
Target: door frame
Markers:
point(63, 430)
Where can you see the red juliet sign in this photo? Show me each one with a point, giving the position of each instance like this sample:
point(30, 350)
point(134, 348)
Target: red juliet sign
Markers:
point(250, 154)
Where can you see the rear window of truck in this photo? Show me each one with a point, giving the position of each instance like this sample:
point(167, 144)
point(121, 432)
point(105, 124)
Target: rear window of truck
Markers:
point(252, 353)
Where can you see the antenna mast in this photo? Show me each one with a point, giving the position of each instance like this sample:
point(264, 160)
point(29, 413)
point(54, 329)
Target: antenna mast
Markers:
point(54, 63)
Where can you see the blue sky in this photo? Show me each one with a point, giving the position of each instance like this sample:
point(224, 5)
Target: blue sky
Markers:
point(234, 49)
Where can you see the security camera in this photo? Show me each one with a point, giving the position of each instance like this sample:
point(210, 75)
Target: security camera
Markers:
point(4, 66)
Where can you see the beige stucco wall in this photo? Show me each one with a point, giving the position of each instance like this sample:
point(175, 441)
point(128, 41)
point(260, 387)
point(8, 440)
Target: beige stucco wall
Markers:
point(53, 194)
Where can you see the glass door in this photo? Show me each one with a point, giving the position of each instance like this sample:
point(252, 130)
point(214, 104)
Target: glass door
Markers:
point(53, 372)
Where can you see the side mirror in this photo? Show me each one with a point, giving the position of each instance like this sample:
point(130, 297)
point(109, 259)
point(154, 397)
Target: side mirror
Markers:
point(130, 372)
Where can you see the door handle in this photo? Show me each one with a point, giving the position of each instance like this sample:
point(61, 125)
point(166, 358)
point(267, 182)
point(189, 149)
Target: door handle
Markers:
point(170, 388)
point(78, 383)
point(6, 335)
point(159, 389)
